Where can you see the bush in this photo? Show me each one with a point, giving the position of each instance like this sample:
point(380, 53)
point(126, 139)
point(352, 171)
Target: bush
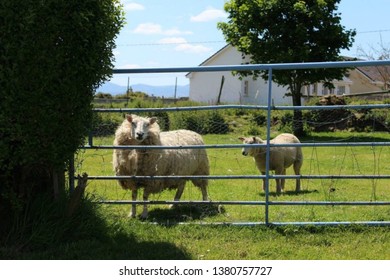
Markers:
point(53, 56)
point(202, 122)
point(103, 126)
point(216, 124)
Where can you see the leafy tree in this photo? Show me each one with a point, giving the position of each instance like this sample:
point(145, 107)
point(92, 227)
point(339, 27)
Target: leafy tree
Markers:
point(53, 56)
point(289, 31)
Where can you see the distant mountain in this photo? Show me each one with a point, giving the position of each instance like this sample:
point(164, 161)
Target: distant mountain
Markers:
point(159, 91)
point(112, 88)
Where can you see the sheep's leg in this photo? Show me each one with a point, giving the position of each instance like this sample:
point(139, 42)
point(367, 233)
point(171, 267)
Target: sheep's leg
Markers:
point(144, 214)
point(279, 181)
point(205, 196)
point(178, 194)
point(283, 180)
point(297, 170)
point(202, 184)
point(133, 211)
point(278, 186)
point(263, 173)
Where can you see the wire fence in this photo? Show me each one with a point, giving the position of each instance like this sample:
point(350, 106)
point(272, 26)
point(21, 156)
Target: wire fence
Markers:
point(331, 162)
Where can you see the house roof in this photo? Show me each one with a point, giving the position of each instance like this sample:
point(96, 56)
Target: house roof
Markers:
point(374, 73)
point(371, 72)
point(215, 54)
point(212, 56)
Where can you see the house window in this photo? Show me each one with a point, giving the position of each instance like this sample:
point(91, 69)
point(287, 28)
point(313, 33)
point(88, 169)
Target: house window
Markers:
point(246, 88)
point(340, 90)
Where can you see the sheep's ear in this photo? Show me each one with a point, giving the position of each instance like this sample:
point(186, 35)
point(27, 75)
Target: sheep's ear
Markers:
point(152, 120)
point(129, 118)
point(254, 139)
point(241, 138)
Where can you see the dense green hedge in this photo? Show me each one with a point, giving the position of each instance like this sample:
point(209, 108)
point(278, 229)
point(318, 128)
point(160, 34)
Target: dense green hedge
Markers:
point(53, 55)
point(249, 122)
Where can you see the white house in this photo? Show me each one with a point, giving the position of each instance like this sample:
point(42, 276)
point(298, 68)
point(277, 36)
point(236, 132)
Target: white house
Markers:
point(206, 86)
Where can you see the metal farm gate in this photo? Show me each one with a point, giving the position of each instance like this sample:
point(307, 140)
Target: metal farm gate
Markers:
point(268, 202)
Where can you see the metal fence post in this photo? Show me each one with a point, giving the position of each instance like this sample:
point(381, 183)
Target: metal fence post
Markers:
point(267, 157)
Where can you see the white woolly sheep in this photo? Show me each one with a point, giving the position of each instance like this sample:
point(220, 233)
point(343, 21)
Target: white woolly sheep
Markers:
point(280, 157)
point(161, 162)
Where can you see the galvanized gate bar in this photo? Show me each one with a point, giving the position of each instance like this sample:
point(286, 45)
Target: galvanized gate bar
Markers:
point(237, 177)
point(254, 67)
point(269, 107)
point(230, 146)
point(243, 202)
point(246, 107)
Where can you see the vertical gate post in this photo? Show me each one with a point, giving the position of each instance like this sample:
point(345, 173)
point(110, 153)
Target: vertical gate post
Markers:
point(267, 156)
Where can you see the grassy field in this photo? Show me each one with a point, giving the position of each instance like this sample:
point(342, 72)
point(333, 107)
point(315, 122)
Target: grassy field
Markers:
point(317, 161)
point(103, 231)
point(163, 237)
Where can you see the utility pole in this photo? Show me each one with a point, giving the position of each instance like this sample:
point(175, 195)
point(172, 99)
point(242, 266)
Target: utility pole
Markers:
point(174, 96)
point(220, 90)
point(128, 91)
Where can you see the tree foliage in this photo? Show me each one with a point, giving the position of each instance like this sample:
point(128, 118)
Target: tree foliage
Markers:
point(288, 31)
point(53, 55)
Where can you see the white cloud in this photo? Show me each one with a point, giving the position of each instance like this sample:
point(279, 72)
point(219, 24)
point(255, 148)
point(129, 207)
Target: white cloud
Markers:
point(132, 6)
point(148, 29)
point(154, 28)
point(209, 14)
point(192, 48)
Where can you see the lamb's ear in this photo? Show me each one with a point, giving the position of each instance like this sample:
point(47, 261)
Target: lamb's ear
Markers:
point(129, 118)
point(241, 138)
point(152, 120)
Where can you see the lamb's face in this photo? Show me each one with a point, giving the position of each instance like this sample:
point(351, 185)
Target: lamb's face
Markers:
point(140, 127)
point(247, 151)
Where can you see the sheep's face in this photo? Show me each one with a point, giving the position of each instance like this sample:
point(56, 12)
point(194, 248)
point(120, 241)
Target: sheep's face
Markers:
point(140, 127)
point(248, 151)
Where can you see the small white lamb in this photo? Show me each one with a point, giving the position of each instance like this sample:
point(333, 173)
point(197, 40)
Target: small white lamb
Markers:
point(280, 157)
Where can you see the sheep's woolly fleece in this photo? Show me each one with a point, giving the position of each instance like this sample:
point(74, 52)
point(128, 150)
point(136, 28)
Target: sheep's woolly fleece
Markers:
point(280, 157)
point(136, 130)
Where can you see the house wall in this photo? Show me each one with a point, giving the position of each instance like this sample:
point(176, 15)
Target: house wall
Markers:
point(361, 83)
point(258, 93)
point(205, 86)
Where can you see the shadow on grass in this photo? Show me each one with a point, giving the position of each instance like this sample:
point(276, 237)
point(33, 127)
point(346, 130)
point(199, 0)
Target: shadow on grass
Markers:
point(91, 234)
point(289, 193)
point(183, 213)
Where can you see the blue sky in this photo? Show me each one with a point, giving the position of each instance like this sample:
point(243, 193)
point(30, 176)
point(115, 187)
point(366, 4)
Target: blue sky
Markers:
point(174, 33)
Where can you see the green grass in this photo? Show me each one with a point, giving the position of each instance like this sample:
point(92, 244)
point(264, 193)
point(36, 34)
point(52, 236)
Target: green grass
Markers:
point(317, 161)
point(167, 239)
point(101, 231)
